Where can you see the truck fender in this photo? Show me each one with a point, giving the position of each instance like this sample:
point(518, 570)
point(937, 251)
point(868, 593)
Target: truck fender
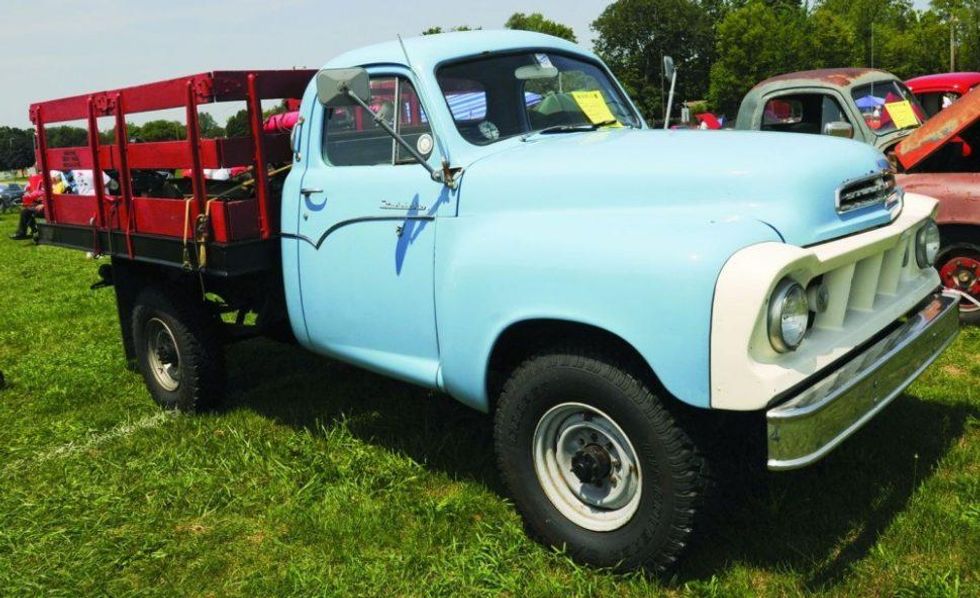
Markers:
point(645, 277)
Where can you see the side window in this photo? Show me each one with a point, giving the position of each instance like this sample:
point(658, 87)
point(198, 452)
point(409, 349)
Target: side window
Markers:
point(352, 138)
point(935, 102)
point(781, 112)
point(802, 113)
point(931, 102)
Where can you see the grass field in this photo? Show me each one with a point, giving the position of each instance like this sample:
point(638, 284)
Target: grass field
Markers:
point(320, 479)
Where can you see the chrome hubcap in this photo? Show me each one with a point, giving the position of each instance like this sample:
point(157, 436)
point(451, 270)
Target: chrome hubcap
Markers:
point(587, 466)
point(164, 357)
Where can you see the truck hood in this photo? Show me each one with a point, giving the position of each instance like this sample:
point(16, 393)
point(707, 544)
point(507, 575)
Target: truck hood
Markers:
point(939, 130)
point(788, 182)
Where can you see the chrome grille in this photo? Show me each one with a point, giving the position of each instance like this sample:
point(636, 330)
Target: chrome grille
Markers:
point(866, 191)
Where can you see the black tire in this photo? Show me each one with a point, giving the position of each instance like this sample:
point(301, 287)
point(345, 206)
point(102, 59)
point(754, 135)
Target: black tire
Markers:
point(193, 382)
point(969, 313)
point(674, 477)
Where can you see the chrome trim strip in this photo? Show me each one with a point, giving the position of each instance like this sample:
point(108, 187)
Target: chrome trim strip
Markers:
point(807, 427)
point(339, 225)
point(887, 184)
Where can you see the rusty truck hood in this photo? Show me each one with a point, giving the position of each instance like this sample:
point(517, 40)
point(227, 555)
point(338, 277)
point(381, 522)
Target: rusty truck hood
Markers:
point(939, 130)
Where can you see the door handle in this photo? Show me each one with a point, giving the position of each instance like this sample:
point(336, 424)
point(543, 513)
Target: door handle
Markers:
point(310, 191)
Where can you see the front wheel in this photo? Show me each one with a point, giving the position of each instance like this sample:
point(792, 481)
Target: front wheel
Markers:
point(178, 350)
point(959, 269)
point(595, 463)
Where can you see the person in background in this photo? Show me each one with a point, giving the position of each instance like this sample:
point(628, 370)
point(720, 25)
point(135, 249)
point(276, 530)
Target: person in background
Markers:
point(34, 205)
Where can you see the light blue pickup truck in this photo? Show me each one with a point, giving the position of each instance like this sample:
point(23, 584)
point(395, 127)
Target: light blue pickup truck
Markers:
point(486, 214)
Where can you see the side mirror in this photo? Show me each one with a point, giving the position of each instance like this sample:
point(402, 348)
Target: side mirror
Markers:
point(668, 67)
point(334, 87)
point(839, 128)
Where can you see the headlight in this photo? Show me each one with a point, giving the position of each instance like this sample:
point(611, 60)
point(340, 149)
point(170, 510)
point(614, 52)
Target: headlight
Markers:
point(927, 244)
point(789, 315)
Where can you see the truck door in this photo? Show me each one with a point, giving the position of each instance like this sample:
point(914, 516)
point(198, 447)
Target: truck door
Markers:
point(368, 217)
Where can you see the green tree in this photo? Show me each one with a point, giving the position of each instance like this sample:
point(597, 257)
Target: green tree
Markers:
point(536, 22)
point(754, 42)
point(873, 22)
point(237, 125)
point(161, 130)
point(921, 48)
point(762, 39)
point(209, 127)
point(830, 41)
point(66, 136)
point(962, 17)
point(108, 137)
point(635, 35)
point(16, 148)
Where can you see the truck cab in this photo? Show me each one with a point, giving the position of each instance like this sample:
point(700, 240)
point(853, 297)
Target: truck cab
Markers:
point(867, 105)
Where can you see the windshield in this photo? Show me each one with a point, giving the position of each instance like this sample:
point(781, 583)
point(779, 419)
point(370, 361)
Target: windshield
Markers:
point(500, 96)
point(888, 106)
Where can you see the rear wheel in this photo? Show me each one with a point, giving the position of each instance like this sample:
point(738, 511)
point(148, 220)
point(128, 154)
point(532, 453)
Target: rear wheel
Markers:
point(595, 463)
point(178, 350)
point(959, 269)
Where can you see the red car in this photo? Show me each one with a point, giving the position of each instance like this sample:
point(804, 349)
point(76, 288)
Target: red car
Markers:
point(942, 159)
point(936, 92)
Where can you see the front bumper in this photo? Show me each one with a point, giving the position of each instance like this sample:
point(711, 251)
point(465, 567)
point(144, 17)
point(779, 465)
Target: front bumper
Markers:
point(809, 425)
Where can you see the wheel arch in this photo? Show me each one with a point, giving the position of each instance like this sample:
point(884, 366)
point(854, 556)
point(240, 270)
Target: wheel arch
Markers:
point(953, 234)
point(523, 338)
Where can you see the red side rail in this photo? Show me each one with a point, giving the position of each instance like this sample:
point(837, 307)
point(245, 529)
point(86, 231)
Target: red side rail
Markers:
point(230, 220)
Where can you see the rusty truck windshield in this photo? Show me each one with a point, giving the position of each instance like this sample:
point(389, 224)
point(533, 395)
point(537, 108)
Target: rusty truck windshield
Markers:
point(501, 96)
point(888, 106)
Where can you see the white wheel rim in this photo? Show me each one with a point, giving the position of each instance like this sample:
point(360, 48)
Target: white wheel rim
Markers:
point(163, 354)
point(602, 503)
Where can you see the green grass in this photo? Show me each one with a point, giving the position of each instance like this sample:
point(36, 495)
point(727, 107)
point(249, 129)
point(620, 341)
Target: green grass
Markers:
point(318, 478)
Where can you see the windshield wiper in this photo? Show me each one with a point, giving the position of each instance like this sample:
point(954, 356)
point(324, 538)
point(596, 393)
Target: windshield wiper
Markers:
point(570, 128)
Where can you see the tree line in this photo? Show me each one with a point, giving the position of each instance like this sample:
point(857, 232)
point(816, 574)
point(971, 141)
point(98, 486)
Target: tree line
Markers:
point(721, 47)
point(724, 47)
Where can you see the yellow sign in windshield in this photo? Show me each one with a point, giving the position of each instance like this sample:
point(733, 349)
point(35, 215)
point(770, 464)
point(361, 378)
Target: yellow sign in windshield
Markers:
point(902, 114)
point(594, 106)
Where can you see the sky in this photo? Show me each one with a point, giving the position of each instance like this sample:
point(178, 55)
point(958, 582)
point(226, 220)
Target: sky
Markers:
point(56, 48)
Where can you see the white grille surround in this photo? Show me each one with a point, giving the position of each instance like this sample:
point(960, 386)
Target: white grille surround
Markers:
point(872, 279)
